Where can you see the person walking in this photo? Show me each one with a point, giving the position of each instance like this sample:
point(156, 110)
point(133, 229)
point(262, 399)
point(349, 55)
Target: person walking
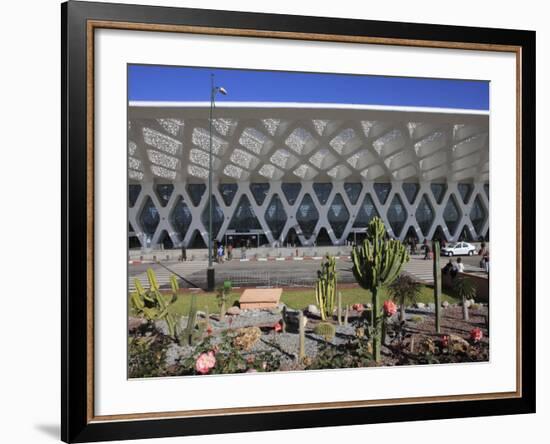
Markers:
point(459, 266)
point(220, 254)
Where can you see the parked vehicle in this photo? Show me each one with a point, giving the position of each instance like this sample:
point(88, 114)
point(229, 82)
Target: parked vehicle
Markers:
point(458, 249)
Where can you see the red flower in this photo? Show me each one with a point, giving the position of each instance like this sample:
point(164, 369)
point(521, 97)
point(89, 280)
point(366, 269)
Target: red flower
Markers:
point(209, 330)
point(358, 307)
point(390, 308)
point(277, 327)
point(445, 341)
point(476, 334)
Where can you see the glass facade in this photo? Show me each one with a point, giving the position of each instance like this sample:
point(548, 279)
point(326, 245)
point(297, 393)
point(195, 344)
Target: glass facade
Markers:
point(259, 191)
point(275, 210)
point(382, 191)
point(465, 190)
point(438, 190)
point(291, 191)
point(424, 215)
point(149, 219)
point(217, 216)
point(133, 193)
point(275, 216)
point(411, 190)
point(181, 217)
point(228, 192)
point(397, 215)
point(338, 216)
point(366, 213)
point(244, 219)
point(322, 190)
point(307, 216)
point(451, 215)
point(164, 192)
point(195, 191)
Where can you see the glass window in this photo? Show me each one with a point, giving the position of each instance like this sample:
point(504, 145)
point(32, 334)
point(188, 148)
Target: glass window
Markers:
point(217, 217)
point(411, 190)
point(196, 190)
point(382, 191)
point(366, 213)
point(397, 215)
point(451, 215)
point(163, 192)
point(478, 215)
point(307, 216)
point(322, 190)
point(338, 216)
point(465, 190)
point(438, 190)
point(228, 191)
point(353, 190)
point(291, 191)
point(424, 215)
point(133, 193)
point(181, 217)
point(244, 219)
point(275, 216)
point(259, 191)
point(149, 217)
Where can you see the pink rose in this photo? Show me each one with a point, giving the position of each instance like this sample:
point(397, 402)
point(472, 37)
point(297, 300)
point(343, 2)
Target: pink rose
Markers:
point(445, 341)
point(476, 334)
point(277, 327)
point(358, 307)
point(205, 362)
point(390, 308)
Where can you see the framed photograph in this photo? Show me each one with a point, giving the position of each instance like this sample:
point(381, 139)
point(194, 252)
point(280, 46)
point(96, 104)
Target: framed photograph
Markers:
point(276, 221)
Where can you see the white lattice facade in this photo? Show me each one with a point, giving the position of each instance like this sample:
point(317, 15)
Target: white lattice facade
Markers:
point(306, 174)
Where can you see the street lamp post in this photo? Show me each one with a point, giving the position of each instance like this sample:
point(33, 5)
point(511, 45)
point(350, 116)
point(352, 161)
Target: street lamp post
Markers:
point(210, 276)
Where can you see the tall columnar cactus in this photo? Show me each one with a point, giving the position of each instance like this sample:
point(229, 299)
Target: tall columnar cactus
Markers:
point(376, 264)
point(325, 288)
point(437, 286)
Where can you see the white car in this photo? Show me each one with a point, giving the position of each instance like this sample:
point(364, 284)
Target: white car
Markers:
point(458, 248)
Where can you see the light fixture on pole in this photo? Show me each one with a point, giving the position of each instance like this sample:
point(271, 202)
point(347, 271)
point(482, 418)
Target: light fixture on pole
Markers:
point(210, 277)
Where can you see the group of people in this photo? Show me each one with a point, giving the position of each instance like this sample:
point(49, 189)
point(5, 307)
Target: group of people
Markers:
point(453, 268)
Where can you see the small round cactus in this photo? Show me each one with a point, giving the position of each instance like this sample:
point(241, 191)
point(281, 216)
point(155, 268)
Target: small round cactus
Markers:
point(326, 330)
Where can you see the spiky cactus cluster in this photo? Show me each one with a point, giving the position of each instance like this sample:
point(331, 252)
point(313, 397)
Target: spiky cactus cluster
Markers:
point(376, 263)
point(325, 288)
point(326, 330)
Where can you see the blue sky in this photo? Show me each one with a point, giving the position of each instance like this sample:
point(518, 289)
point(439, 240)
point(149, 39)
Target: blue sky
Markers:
point(166, 83)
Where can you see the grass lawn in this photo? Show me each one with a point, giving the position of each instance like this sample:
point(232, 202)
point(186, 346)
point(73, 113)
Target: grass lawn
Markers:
point(297, 299)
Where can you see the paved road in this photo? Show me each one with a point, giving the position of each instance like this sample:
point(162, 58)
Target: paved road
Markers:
point(273, 273)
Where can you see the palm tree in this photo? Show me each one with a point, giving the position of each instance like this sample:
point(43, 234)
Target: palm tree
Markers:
point(465, 289)
point(405, 289)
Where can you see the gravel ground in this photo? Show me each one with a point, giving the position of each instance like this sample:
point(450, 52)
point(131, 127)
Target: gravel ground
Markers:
point(420, 322)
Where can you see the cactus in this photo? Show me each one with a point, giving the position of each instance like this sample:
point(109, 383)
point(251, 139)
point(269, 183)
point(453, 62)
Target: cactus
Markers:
point(326, 330)
point(465, 290)
point(377, 263)
point(325, 288)
point(152, 304)
point(188, 336)
point(302, 335)
point(437, 286)
point(339, 310)
point(346, 315)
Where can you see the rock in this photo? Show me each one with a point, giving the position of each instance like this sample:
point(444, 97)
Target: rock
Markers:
point(420, 305)
point(135, 323)
point(445, 304)
point(313, 309)
point(468, 303)
point(368, 306)
point(233, 311)
point(431, 306)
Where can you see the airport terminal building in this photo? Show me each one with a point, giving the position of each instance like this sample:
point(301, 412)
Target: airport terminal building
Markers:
point(304, 173)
